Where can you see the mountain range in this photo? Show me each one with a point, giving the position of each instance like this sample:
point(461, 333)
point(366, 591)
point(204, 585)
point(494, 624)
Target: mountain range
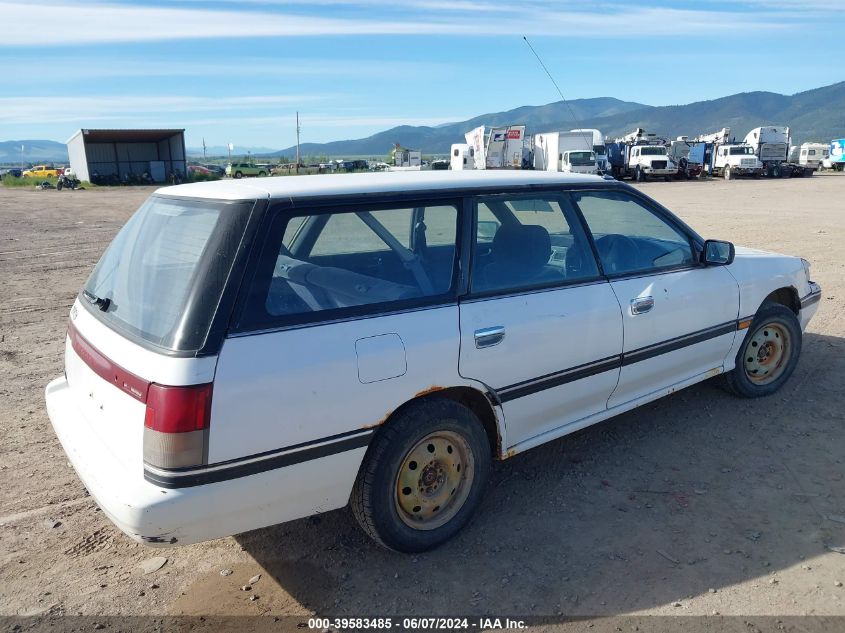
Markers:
point(813, 115)
point(34, 151)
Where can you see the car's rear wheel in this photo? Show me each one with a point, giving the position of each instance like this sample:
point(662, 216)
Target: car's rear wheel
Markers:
point(423, 476)
point(769, 353)
point(239, 174)
point(262, 173)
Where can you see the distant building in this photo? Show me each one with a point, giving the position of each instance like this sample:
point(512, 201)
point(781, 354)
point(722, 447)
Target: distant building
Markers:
point(403, 157)
point(121, 152)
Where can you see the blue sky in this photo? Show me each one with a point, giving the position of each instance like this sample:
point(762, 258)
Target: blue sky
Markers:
point(238, 71)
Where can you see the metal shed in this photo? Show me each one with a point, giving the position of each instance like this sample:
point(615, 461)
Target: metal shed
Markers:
point(122, 152)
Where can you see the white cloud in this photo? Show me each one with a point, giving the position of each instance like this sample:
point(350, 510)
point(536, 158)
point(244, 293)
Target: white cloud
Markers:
point(87, 110)
point(81, 22)
point(331, 121)
point(85, 67)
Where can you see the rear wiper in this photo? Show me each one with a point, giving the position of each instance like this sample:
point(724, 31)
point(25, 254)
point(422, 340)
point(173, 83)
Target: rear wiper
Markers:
point(102, 303)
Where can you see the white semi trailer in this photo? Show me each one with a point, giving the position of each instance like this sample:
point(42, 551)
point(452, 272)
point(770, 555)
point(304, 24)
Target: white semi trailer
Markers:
point(501, 147)
point(570, 152)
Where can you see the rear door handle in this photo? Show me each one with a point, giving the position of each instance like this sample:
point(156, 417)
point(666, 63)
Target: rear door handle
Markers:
point(489, 336)
point(641, 305)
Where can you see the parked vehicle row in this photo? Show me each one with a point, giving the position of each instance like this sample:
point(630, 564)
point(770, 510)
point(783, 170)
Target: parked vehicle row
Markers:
point(244, 355)
point(642, 155)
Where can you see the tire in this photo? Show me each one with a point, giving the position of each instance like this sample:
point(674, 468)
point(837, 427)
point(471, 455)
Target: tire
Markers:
point(59, 185)
point(238, 174)
point(261, 173)
point(727, 173)
point(774, 326)
point(776, 171)
point(455, 438)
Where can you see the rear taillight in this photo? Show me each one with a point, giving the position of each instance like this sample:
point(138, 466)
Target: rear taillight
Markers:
point(176, 425)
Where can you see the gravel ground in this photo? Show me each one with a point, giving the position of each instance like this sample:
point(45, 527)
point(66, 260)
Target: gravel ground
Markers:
point(695, 504)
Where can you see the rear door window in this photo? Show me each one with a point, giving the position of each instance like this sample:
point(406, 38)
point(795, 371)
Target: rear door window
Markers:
point(356, 260)
point(525, 241)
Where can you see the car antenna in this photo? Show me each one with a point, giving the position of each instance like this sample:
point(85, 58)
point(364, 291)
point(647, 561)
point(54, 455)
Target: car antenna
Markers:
point(577, 125)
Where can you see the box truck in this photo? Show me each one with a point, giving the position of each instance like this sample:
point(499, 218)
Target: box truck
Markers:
point(570, 152)
point(599, 147)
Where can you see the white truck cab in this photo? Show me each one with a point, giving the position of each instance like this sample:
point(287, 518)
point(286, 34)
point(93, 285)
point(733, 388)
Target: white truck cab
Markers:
point(731, 161)
point(568, 152)
point(578, 161)
point(599, 147)
point(650, 161)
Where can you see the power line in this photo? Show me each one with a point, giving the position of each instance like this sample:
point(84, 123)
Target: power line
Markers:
point(589, 141)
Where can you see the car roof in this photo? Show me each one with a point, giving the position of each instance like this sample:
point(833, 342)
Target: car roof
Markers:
point(310, 186)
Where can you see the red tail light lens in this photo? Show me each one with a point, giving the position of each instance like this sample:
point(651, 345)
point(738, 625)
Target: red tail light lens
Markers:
point(178, 409)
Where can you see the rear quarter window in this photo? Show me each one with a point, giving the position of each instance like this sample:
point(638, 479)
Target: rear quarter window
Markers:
point(352, 261)
point(164, 273)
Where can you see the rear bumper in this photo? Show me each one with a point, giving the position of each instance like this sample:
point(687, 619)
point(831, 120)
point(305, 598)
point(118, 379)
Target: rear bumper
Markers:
point(160, 516)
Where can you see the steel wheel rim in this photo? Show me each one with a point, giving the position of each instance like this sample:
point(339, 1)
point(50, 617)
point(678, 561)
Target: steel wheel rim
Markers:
point(767, 353)
point(434, 480)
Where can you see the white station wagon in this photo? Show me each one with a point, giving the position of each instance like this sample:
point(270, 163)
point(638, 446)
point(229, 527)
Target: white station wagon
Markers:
point(248, 353)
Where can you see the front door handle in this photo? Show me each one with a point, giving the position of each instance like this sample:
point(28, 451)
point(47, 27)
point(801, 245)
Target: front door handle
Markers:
point(641, 305)
point(489, 336)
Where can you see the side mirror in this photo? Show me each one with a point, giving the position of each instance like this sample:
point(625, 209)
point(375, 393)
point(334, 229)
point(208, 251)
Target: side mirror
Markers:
point(717, 253)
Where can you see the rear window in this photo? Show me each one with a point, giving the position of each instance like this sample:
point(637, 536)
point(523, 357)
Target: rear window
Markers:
point(162, 277)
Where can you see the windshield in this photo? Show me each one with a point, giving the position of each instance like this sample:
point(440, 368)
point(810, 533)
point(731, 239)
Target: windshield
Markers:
point(161, 278)
point(600, 150)
point(742, 151)
point(582, 158)
point(653, 151)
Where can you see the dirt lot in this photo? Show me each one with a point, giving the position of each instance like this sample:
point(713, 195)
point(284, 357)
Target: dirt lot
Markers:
point(695, 504)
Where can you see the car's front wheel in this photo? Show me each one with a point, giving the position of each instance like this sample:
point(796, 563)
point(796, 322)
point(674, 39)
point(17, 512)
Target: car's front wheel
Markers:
point(423, 476)
point(768, 355)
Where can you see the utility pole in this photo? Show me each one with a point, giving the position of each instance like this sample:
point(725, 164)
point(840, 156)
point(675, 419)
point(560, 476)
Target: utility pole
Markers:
point(297, 142)
point(203, 150)
point(21, 156)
